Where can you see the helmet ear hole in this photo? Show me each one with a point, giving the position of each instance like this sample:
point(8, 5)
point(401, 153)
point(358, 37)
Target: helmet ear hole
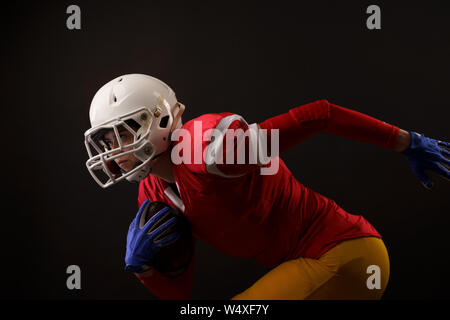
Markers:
point(133, 124)
point(164, 121)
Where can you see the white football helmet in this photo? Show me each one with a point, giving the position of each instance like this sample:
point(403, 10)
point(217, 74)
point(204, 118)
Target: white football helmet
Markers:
point(140, 104)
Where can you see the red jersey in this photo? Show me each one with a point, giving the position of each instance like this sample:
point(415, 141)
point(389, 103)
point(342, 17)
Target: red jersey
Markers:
point(241, 212)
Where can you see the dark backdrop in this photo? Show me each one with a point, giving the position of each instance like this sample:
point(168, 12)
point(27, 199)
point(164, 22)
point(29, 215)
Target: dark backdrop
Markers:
point(254, 59)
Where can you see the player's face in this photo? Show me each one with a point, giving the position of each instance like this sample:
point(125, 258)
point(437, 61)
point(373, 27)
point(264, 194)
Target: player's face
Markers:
point(125, 162)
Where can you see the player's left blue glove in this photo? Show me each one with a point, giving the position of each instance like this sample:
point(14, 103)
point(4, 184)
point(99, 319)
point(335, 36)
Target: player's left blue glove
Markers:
point(141, 244)
point(427, 154)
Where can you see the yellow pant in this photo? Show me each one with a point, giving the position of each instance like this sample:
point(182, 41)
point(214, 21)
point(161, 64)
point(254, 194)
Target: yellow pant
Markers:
point(354, 269)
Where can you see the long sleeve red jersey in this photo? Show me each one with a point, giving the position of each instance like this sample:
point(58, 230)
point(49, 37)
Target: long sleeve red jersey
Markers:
point(241, 212)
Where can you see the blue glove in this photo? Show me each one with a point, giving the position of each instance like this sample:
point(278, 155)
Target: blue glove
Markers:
point(427, 154)
point(141, 244)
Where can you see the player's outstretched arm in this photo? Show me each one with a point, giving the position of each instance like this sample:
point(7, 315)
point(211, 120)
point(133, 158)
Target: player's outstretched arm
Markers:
point(304, 121)
point(322, 116)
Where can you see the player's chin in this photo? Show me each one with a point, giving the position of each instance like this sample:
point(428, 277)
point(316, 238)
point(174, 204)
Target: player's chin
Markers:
point(125, 165)
point(128, 168)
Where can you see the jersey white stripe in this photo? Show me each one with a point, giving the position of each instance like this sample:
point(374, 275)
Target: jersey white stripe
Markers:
point(174, 198)
point(216, 146)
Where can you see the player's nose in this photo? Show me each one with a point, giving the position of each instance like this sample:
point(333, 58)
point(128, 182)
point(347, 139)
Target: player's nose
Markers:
point(116, 153)
point(115, 145)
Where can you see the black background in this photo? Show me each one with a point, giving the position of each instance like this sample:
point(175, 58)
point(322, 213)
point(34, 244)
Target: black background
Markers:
point(254, 59)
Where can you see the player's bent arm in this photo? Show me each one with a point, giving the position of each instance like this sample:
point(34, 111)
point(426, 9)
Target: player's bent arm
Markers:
point(301, 122)
point(321, 116)
point(297, 125)
point(179, 288)
point(304, 121)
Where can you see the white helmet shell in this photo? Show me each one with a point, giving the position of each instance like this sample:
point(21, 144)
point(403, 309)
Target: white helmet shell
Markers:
point(125, 93)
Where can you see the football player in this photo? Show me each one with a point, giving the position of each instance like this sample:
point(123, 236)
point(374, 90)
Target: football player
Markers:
point(315, 249)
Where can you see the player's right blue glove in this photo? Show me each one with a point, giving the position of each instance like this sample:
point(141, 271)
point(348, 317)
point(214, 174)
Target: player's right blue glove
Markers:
point(141, 243)
point(427, 154)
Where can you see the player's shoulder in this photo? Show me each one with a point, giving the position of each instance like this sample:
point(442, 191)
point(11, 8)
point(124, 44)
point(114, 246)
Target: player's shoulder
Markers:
point(150, 188)
point(207, 121)
point(192, 140)
point(203, 141)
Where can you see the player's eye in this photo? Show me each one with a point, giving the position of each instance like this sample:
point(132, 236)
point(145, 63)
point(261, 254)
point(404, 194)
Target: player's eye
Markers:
point(126, 137)
point(107, 144)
